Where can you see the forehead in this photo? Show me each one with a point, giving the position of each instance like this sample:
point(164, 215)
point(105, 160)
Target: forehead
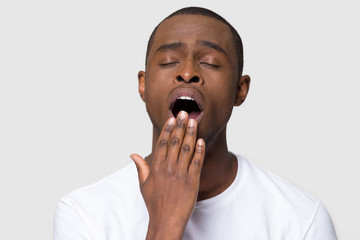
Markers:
point(192, 28)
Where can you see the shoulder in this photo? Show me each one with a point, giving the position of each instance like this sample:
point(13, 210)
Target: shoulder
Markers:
point(120, 185)
point(282, 203)
point(89, 212)
point(271, 186)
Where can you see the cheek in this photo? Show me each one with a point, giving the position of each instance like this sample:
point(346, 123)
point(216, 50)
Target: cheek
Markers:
point(223, 102)
point(224, 91)
point(156, 92)
point(153, 96)
point(223, 108)
point(153, 107)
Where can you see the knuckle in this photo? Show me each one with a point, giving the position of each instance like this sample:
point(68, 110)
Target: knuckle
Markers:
point(197, 162)
point(168, 128)
point(180, 124)
point(174, 141)
point(163, 143)
point(186, 148)
point(179, 175)
point(156, 168)
point(190, 131)
point(169, 172)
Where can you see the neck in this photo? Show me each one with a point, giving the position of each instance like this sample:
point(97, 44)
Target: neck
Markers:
point(219, 168)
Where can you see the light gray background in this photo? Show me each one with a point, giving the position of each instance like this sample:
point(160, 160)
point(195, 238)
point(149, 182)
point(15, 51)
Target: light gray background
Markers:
point(70, 113)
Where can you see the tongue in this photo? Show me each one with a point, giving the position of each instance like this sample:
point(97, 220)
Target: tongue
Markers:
point(193, 115)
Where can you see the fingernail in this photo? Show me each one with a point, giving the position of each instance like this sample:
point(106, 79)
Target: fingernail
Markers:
point(191, 123)
point(182, 115)
point(171, 121)
point(201, 145)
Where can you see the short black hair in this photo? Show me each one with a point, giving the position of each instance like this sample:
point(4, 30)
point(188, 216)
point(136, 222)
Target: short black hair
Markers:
point(208, 13)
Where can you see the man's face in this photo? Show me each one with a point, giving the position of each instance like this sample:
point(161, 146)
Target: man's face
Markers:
point(191, 66)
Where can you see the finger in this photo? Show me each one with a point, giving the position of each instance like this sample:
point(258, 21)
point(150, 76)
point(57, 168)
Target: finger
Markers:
point(142, 168)
point(198, 159)
point(163, 142)
point(188, 146)
point(176, 138)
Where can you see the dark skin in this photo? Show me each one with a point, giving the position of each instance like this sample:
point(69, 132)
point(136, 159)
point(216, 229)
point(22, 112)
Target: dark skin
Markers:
point(191, 55)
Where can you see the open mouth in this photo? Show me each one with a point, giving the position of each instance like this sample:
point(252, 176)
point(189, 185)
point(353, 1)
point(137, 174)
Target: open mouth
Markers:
point(187, 104)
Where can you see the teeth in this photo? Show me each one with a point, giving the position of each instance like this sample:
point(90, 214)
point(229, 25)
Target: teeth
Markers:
point(186, 98)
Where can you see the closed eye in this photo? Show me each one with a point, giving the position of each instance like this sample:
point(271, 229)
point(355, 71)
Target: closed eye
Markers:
point(209, 64)
point(168, 64)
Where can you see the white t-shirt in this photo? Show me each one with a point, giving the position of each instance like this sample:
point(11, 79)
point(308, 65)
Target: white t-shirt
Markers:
point(258, 205)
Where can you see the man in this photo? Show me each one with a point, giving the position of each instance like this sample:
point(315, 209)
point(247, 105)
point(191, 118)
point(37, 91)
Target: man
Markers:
point(190, 186)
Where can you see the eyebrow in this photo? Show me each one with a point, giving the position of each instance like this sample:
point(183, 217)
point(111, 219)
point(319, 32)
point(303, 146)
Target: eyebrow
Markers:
point(177, 45)
point(170, 46)
point(212, 45)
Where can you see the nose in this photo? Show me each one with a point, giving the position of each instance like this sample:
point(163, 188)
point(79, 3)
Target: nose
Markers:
point(188, 73)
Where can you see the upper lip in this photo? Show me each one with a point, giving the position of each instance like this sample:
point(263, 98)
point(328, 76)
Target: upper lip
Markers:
point(182, 91)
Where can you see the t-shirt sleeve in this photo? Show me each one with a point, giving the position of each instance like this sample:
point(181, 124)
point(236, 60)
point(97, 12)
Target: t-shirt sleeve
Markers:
point(321, 226)
point(68, 224)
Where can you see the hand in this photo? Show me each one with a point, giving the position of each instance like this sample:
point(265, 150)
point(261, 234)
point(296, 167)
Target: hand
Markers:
point(170, 185)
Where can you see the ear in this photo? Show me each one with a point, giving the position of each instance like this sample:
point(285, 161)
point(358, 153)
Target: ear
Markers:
point(242, 90)
point(141, 79)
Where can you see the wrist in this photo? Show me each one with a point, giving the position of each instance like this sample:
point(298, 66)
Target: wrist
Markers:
point(169, 230)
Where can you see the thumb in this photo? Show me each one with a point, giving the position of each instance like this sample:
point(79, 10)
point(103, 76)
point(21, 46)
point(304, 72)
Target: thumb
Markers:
point(142, 168)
